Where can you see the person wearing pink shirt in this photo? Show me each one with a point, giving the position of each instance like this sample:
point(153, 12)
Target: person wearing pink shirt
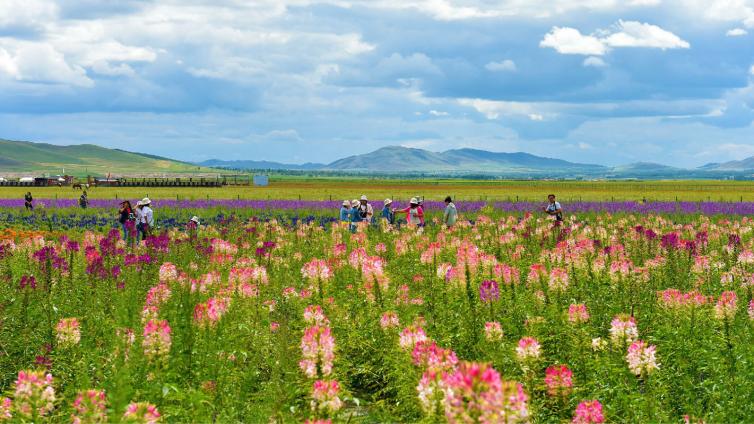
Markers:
point(414, 213)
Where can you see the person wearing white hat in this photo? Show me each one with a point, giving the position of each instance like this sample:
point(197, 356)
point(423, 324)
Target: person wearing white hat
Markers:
point(414, 213)
point(193, 224)
point(147, 218)
point(388, 214)
point(345, 211)
point(365, 209)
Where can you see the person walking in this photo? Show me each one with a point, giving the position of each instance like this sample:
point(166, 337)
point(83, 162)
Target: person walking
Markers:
point(414, 213)
point(388, 214)
point(345, 211)
point(553, 208)
point(450, 216)
point(147, 218)
point(84, 200)
point(28, 201)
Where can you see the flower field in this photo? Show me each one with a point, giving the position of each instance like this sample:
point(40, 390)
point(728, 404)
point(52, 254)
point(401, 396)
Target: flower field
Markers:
point(628, 312)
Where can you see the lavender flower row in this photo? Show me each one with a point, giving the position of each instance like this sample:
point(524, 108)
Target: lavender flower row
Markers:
point(228, 204)
point(706, 208)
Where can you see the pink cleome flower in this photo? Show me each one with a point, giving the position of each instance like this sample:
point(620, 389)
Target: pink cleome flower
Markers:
point(588, 412)
point(67, 332)
point(141, 412)
point(33, 391)
point(559, 380)
point(90, 406)
point(641, 358)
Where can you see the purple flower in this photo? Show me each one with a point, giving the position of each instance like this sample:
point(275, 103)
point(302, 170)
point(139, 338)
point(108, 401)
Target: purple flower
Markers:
point(489, 291)
point(28, 281)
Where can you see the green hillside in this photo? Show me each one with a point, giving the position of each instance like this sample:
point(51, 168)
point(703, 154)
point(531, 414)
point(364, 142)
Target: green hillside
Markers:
point(84, 159)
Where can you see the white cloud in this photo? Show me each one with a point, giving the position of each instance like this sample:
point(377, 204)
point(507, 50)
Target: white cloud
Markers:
point(7, 64)
point(637, 34)
point(584, 146)
point(567, 40)
point(438, 113)
point(448, 10)
point(40, 63)
point(493, 109)
point(505, 65)
point(751, 70)
point(594, 61)
point(736, 32)
point(27, 13)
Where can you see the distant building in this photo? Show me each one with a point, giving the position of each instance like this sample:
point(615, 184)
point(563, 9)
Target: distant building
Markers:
point(261, 180)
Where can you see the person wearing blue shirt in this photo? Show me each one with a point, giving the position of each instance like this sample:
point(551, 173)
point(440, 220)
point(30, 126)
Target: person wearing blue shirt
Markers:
point(345, 211)
point(387, 213)
point(355, 215)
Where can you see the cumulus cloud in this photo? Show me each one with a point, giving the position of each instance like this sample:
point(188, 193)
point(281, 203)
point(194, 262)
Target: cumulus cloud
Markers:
point(637, 34)
point(736, 32)
point(566, 40)
point(40, 63)
point(505, 65)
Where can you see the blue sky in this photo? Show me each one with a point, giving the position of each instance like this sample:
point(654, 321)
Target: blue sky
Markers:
point(598, 81)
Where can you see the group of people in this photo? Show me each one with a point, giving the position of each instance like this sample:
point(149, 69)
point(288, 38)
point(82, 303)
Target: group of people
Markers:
point(357, 211)
point(137, 223)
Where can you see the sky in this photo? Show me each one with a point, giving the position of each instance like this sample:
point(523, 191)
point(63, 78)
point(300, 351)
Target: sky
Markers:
point(593, 81)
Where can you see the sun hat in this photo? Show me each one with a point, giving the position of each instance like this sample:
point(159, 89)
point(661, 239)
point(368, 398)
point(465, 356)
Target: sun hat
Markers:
point(138, 203)
point(195, 219)
point(346, 203)
point(364, 197)
point(413, 201)
point(355, 203)
point(388, 201)
point(145, 201)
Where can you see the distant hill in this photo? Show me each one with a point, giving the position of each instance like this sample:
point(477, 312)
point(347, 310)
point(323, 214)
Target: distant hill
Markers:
point(83, 159)
point(254, 164)
point(734, 165)
point(396, 159)
point(645, 167)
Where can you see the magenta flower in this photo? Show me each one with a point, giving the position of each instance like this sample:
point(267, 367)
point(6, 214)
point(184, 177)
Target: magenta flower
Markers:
point(588, 412)
point(389, 320)
point(528, 348)
point(475, 393)
point(559, 380)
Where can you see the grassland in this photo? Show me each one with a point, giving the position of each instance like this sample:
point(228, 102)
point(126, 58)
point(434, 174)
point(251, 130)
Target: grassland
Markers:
point(80, 160)
point(375, 189)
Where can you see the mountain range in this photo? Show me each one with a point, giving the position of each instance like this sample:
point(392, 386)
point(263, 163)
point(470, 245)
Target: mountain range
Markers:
point(30, 158)
point(459, 162)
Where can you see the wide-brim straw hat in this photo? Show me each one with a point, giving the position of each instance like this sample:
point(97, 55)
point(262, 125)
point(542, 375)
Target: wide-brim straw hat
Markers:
point(388, 201)
point(413, 201)
point(145, 201)
point(355, 203)
point(195, 219)
point(364, 197)
point(346, 203)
